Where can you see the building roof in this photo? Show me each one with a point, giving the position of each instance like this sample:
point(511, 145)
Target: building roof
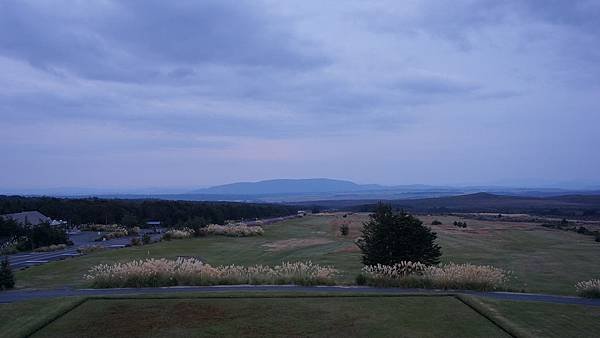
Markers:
point(28, 217)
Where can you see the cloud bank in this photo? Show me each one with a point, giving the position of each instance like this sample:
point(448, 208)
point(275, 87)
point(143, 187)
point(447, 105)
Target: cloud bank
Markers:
point(155, 93)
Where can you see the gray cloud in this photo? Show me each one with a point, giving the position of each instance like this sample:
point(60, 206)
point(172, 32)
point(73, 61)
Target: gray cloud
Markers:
point(216, 82)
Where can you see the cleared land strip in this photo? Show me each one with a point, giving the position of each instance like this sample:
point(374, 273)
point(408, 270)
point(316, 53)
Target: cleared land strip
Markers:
point(20, 295)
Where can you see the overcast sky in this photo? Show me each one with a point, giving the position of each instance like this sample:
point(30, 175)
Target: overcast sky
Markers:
point(194, 93)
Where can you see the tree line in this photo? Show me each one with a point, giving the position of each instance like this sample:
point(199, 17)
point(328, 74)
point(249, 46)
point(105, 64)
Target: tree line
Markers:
point(111, 211)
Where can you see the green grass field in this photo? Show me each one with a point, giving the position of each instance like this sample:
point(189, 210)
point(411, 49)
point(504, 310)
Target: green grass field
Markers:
point(542, 260)
point(300, 314)
point(547, 320)
point(269, 317)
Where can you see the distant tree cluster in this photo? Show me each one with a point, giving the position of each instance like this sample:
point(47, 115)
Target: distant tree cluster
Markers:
point(137, 212)
point(460, 224)
point(565, 225)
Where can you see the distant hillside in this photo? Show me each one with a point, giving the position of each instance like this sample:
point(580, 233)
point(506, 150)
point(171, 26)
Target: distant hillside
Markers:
point(586, 206)
point(287, 186)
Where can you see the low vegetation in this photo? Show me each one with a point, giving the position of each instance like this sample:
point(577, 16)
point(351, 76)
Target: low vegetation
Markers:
point(190, 271)
point(446, 276)
point(235, 230)
point(87, 249)
point(52, 247)
point(19, 237)
point(589, 289)
point(460, 224)
point(178, 234)
point(115, 233)
point(9, 247)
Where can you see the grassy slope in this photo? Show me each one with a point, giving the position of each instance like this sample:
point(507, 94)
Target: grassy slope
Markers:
point(323, 317)
point(548, 320)
point(542, 260)
point(20, 319)
point(216, 250)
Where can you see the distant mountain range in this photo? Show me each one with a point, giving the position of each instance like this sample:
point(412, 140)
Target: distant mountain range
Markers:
point(288, 186)
point(300, 190)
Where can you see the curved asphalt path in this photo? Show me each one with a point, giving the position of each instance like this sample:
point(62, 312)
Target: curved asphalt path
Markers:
point(20, 295)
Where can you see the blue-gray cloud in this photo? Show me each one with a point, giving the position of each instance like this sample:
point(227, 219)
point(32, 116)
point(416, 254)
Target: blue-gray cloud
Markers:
point(220, 81)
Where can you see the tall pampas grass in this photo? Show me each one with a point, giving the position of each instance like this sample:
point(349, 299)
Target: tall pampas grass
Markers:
point(190, 271)
point(445, 276)
point(589, 289)
point(241, 230)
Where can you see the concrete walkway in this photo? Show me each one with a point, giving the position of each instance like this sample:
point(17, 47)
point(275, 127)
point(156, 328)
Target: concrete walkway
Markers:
point(20, 295)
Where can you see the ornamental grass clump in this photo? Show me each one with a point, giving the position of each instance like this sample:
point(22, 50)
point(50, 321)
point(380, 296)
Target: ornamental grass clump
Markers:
point(589, 289)
point(466, 276)
point(446, 276)
point(240, 230)
point(178, 234)
point(190, 271)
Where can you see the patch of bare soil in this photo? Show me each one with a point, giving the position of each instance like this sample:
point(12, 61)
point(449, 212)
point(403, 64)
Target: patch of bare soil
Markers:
point(294, 243)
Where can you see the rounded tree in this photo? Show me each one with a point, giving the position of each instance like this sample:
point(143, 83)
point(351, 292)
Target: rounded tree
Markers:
point(389, 238)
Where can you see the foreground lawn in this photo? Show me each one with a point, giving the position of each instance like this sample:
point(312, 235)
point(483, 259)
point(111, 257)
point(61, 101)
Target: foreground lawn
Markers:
point(542, 260)
point(260, 317)
point(19, 319)
point(538, 319)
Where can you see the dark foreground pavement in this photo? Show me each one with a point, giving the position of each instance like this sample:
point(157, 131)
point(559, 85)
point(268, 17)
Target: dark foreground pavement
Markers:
point(20, 295)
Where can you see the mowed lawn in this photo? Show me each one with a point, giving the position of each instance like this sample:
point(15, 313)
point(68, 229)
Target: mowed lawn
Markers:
point(542, 260)
point(310, 238)
point(268, 317)
point(538, 319)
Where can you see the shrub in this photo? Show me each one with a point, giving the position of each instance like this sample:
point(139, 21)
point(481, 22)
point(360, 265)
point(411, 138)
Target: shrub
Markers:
point(389, 238)
point(100, 227)
point(45, 235)
point(90, 248)
point(436, 222)
point(9, 247)
point(178, 234)
point(116, 233)
point(7, 279)
point(460, 224)
point(344, 229)
point(190, 271)
point(135, 241)
point(448, 276)
point(146, 239)
point(49, 248)
point(589, 289)
point(235, 230)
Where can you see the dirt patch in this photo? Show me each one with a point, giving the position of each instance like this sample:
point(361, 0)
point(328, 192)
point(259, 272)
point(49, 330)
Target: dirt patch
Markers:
point(294, 243)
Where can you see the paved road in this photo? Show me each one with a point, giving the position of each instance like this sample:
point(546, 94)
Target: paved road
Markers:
point(24, 260)
point(20, 295)
point(27, 259)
